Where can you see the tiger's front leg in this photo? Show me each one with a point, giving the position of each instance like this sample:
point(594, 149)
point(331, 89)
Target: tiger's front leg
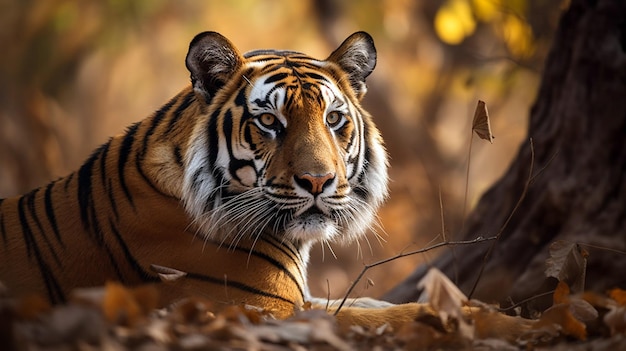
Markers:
point(492, 323)
point(371, 313)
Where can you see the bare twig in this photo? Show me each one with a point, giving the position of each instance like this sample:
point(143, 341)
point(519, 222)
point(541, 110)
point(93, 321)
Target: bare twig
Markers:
point(506, 222)
point(604, 248)
point(467, 174)
point(526, 300)
point(405, 254)
point(445, 238)
point(443, 222)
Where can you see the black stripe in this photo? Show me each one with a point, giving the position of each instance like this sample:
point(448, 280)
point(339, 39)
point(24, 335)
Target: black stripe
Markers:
point(26, 232)
point(195, 183)
point(106, 181)
point(104, 151)
point(67, 182)
point(361, 192)
point(145, 276)
point(112, 201)
point(189, 98)
point(241, 100)
point(85, 194)
point(286, 250)
point(2, 227)
point(269, 259)
point(31, 197)
point(352, 138)
point(284, 196)
point(156, 120)
point(276, 77)
point(116, 268)
point(178, 157)
point(138, 162)
point(213, 139)
point(84, 188)
point(103, 162)
point(237, 285)
point(235, 163)
point(316, 76)
point(55, 294)
point(125, 150)
point(50, 213)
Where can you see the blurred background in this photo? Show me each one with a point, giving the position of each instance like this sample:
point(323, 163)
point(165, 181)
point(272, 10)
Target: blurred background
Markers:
point(73, 73)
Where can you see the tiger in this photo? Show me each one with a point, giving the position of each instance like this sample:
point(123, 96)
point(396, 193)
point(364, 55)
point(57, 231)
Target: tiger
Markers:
point(226, 187)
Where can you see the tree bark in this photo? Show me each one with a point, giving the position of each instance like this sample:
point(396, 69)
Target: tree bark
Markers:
point(578, 189)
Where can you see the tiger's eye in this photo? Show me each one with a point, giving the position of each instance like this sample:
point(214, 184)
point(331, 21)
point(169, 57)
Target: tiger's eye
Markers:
point(267, 119)
point(333, 118)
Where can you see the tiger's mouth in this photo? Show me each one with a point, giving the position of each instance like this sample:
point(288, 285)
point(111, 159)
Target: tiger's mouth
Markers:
point(313, 211)
point(314, 215)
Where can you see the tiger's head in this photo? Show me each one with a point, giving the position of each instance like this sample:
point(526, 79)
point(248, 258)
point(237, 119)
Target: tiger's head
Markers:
point(283, 146)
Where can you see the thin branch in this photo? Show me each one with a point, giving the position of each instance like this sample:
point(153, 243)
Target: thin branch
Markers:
point(405, 254)
point(604, 248)
point(506, 222)
point(526, 300)
point(467, 174)
point(443, 222)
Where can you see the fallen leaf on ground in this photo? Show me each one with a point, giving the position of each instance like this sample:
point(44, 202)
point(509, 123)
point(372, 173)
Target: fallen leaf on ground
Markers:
point(567, 263)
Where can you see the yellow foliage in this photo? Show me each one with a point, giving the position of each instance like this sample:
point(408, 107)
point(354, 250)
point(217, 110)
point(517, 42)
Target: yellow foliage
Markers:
point(454, 21)
point(486, 10)
point(518, 36)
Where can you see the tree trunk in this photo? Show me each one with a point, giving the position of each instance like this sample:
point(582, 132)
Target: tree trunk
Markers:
point(578, 192)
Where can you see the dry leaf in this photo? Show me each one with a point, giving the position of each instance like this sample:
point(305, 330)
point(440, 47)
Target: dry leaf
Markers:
point(481, 124)
point(119, 305)
point(580, 309)
point(64, 325)
point(193, 310)
point(147, 297)
point(560, 317)
point(568, 263)
point(446, 299)
point(598, 300)
point(615, 319)
point(441, 293)
point(31, 306)
point(92, 296)
point(420, 336)
point(561, 293)
point(618, 295)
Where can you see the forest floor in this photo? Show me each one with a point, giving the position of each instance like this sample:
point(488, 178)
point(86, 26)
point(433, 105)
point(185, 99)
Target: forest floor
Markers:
point(115, 317)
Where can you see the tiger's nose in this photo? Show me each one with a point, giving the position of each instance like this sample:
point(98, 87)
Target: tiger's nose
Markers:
point(314, 183)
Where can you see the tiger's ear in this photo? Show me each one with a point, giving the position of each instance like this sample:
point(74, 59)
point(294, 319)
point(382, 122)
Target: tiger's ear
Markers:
point(357, 56)
point(212, 60)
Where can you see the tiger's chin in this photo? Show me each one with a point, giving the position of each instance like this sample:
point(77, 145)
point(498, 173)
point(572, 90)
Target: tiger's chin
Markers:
point(311, 228)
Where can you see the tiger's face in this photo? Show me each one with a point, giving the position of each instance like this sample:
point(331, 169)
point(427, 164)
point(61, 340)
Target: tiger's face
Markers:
point(284, 148)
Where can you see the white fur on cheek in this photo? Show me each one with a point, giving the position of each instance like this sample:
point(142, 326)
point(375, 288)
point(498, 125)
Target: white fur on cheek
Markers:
point(198, 182)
